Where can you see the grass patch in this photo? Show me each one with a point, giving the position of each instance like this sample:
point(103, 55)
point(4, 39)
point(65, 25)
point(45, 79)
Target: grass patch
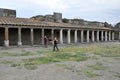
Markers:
point(70, 67)
point(75, 54)
point(97, 66)
point(107, 51)
point(6, 62)
point(90, 73)
point(57, 57)
point(25, 53)
point(117, 74)
point(15, 65)
point(30, 66)
point(15, 54)
point(94, 58)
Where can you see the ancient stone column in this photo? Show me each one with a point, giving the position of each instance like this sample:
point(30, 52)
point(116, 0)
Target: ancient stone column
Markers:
point(75, 36)
point(97, 36)
point(101, 35)
point(87, 35)
point(6, 42)
point(19, 37)
point(69, 36)
point(61, 36)
point(105, 35)
point(42, 35)
point(81, 36)
point(112, 35)
point(52, 34)
point(119, 36)
point(32, 39)
point(93, 36)
point(109, 35)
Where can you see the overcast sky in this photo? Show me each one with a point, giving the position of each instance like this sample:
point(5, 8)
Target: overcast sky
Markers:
point(91, 10)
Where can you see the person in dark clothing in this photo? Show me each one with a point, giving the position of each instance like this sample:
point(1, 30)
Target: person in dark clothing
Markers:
point(45, 41)
point(55, 44)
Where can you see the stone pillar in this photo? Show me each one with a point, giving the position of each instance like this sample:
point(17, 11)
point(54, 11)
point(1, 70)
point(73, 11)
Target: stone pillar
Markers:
point(112, 35)
point(81, 36)
point(42, 35)
point(105, 35)
point(61, 36)
point(87, 35)
point(93, 36)
point(19, 37)
point(6, 42)
point(69, 36)
point(119, 36)
point(75, 36)
point(31, 33)
point(101, 35)
point(52, 34)
point(109, 35)
point(97, 36)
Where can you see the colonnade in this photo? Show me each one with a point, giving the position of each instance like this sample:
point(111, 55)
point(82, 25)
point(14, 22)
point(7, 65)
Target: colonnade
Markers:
point(85, 35)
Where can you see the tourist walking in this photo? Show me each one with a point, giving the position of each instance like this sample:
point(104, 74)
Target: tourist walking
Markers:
point(55, 42)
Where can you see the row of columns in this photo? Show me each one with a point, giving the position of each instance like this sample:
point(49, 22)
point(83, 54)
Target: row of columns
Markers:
point(88, 39)
point(61, 36)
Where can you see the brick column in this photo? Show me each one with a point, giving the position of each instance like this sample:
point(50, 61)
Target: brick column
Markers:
point(19, 37)
point(93, 36)
point(69, 36)
point(61, 36)
point(87, 35)
point(6, 42)
point(75, 35)
point(32, 39)
point(81, 36)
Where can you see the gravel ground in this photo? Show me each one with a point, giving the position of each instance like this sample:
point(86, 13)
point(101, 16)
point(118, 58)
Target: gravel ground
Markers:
point(69, 70)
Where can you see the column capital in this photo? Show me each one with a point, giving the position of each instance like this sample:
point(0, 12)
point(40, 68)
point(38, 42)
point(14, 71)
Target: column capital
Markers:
point(31, 29)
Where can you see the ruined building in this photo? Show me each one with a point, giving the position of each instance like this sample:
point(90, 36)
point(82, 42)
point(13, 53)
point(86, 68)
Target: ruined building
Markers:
point(31, 31)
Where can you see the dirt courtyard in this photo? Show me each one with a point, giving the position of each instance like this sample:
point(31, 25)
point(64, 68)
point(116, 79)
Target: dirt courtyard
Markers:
point(95, 67)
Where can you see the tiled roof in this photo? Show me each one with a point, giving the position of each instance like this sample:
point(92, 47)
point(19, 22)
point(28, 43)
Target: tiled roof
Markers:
point(30, 22)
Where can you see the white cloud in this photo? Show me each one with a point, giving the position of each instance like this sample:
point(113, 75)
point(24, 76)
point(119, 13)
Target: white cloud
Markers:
point(52, 4)
point(89, 8)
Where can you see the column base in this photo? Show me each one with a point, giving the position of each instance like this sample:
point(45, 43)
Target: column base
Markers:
point(98, 41)
point(6, 43)
point(61, 42)
point(68, 42)
point(19, 43)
